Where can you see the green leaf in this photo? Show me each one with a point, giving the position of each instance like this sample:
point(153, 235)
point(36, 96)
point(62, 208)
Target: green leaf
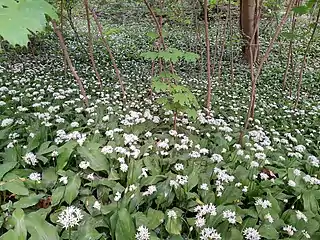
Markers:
point(155, 218)
point(10, 235)
point(235, 234)
point(72, 188)
point(153, 35)
point(65, 152)
point(97, 160)
point(301, 9)
point(159, 86)
point(19, 224)
point(15, 186)
point(173, 226)
point(269, 232)
point(6, 167)
point(191, 57)
point(40, 229)
point(57, 195)
point(49, 177)
point(29, 201)
point(19, 19)
point(150, 55)
point(310, 203)
point(151, 180)
point(125, 228)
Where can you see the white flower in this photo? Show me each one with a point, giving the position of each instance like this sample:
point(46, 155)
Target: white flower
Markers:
point(264, 176)
point(297, 172)
point(148, 134)
point(64, 180)
point(74, 124)
point(90, 176)
point(107, 149)
point(130, 139)
point(204, 186)
point(124, 167)
point(182, 180)
point(240, 152)
point(291, 183)
point(132, 187)
point(54, 154)
point(209, 233)
point(289, 229)
point(143, 233)
point(230, 216)
point(200, 222)
point(70, 217)
point(251, 234)
point(97, 205)
point(150, 191)
point(172, 214)
point(300, 148)
point(269, 218)
point(216, 158)
point(178, 167)
point(6, 122)
point(300, 215)
point(204, 151)
point(260, 156)
point(173, 133)
point(254, 164)
point(263, 203)
point(205, 209)
point(314, 161)
point(306, 234)
point(30, 158)
point(117, 196)
point(35, 176)
point(194, 154)
point(84, 164)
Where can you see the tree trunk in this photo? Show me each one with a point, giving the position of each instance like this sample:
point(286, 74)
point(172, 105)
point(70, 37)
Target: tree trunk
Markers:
point(248, 20)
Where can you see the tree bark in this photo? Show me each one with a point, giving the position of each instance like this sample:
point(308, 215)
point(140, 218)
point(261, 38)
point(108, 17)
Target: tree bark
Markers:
point(208, 105)
point(248, 21)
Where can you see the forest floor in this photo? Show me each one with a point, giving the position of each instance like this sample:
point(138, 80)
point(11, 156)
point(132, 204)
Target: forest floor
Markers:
point(120, 161)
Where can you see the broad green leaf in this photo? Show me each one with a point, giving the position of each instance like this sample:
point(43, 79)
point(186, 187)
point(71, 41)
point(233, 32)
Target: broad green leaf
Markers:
point(159, 86)
point(72, 188)
point(125, 228)
point(49, 177)
point(19, 19)
point(19, 223)
point(10, 235)
point(155, 218)
point(98, 162)
point(301, 9)
point(269, 232)
point(191, 57)
point(235, 234)
point(150, 55)
point(151, 180)
point(65, 152)
point(29, 201)
point(40, 229)
point(57, 195)
point(173, 226)
point(310, 203)
point(15, 186)
point(6, 167)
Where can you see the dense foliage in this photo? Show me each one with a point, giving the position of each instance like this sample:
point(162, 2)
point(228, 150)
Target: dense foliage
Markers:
point(119, 170)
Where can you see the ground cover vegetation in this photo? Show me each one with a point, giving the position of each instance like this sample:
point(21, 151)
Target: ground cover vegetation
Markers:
point(130, 131)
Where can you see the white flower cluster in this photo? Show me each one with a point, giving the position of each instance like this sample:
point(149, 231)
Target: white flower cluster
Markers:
point(180, 180)
point(222, 178)
point(70, 217)
point(263, 203)
point(62, 136)
point(202, 211)
point(251, 234)
point(143, 233)
point(30, 158)
point(209, 233)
